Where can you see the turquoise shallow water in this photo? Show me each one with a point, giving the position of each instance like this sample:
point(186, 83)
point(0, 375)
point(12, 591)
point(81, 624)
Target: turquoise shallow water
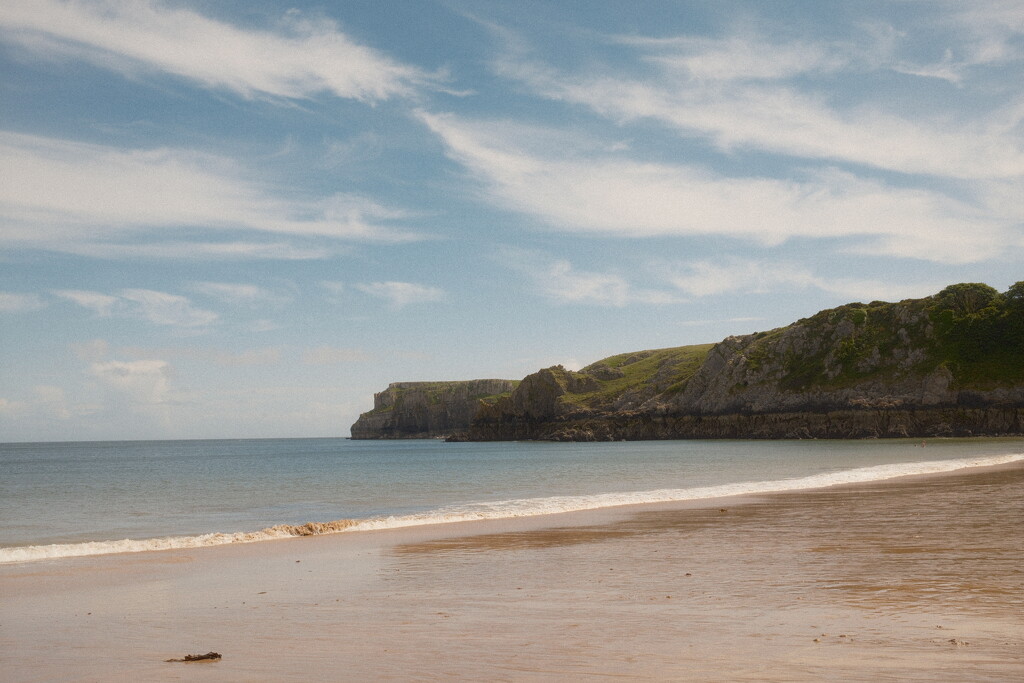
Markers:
point(94, 493)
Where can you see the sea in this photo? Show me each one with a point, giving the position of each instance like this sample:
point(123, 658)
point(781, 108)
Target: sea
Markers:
point(60, 500)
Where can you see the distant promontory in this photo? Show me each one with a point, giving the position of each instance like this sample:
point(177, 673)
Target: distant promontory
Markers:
point(951, 364)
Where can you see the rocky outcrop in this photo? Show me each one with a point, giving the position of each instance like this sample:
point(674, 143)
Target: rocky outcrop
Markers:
point(947, 365)
point(917, 368)
point(994, 420)
point(420, 410)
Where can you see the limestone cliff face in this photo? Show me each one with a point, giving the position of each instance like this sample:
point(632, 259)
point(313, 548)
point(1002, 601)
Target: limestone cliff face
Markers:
point(947, 365)
point(418, 410)
point(925, 367)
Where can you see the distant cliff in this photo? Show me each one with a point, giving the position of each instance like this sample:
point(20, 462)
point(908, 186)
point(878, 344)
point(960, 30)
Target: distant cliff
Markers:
point(418, 410)
point(947, 365)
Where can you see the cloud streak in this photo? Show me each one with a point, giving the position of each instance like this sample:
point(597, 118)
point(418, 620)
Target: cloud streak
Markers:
point(159, 308)
point(731, 275)
point(785, 120)
point(616, 196)
point(239, 294)
point(13, 302)
point(107, 192)
point(560, 282)
point(791, 96)
point(302, 58)
point(401, 294)
point(145, 382)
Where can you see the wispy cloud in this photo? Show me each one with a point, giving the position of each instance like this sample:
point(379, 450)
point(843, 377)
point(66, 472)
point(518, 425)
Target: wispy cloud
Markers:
point(259, 357)
point(401, 294)
point(788, 121)
point(560, 282)
point(107, 191)
point(239, 294)
point(741, 57)
point(732, 275)
point(702, 322)
point(744, 91)
point(276, 251)
point(159, 308)
point(612, 195)
point(146, 382)
point(13, 302)
point(993, 28)
point(162, 308)
point(301, 58)
point(100, 304)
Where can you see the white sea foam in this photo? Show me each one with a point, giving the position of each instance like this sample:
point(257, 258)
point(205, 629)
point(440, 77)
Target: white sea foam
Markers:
point(504, 509)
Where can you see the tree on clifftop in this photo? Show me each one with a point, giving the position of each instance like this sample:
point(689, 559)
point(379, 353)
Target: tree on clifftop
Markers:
point(966, 298)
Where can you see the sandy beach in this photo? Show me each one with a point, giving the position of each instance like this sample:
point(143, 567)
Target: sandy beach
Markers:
point(908, 579)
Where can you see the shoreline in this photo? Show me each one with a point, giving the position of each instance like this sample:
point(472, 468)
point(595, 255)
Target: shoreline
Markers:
point(539, 508)
point(896, 572)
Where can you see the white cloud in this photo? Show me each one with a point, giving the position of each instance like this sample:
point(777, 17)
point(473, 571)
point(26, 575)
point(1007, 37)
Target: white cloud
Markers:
point(784, 120)
point(144, 381)
point(162, 308)
point(265, 356)
point(740, 57)
point(559, 281)
point(612, 196)
point(159, 308)
point(238, 293)
point(278, 251)
point(106, 191)
point(746, 91)
point(707, 278)
point(401, 294)
point(702, 322)
point(329, 355)
point(303, 58)
point(9, 407)
point(101, 304)
point(11, 302)
point(995, 29)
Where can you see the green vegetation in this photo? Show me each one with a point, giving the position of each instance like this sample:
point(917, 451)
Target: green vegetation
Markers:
point(969, 328)
point(643, 372)
point(433, 393)
point(980, 333)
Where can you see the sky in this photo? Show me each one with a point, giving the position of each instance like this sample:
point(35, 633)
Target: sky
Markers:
point(242, 218)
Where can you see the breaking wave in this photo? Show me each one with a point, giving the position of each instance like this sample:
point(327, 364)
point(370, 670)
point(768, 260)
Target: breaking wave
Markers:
point(504, 509)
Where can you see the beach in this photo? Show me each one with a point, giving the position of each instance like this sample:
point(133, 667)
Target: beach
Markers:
point(916, 578)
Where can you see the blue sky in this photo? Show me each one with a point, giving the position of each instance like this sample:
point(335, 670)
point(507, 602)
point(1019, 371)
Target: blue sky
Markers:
point(242, 218)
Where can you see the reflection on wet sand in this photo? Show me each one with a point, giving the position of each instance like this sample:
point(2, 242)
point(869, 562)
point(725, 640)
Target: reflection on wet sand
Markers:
point(911, 540)
point(916, 580)
point(900, 581)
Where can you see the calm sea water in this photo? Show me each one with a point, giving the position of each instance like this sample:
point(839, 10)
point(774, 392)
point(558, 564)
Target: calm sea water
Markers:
point(61, 499)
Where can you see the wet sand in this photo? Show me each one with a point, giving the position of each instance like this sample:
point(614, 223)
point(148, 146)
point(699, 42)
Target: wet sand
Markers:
point(908, 580)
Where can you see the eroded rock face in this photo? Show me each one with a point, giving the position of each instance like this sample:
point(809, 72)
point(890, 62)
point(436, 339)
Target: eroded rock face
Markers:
point(419, 410)
point(916, 368)
point(851, 372)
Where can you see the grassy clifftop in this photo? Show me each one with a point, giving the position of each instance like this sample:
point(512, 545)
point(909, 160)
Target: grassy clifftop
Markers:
point(951, 363)
point(428, 409)
point(962, 347)
point(629, 379)
point(971, 329)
